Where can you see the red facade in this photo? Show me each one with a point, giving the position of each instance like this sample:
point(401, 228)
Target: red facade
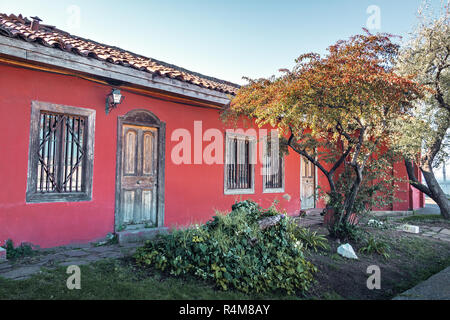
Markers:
point(192, 192)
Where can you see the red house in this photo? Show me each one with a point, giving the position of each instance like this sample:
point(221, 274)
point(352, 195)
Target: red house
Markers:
point(96, 139)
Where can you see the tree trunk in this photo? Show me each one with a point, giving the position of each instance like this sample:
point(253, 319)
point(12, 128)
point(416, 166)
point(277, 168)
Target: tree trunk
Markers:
point(269, 222)
point(351, 198)
point(432, 189)
point(437, 194)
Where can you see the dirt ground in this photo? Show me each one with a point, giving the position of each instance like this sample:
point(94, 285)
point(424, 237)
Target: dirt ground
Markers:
point(412, 259)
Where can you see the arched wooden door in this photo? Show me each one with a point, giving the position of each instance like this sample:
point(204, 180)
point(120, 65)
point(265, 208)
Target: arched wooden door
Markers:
point(140, 171)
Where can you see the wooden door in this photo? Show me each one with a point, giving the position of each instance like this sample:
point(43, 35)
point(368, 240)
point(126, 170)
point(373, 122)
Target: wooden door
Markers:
point(308, 184)
point(138, 174)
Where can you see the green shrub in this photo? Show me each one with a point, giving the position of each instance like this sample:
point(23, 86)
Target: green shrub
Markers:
point(373, 245)
point(233, 252)
point(23, 250)
point(345, 231)
point(311, 240)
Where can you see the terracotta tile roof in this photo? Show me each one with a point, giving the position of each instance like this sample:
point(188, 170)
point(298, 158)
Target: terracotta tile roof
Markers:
point(19, 27)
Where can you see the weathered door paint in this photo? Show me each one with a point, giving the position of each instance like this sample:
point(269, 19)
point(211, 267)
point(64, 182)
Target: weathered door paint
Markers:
point(138, 176)
point(307, 184)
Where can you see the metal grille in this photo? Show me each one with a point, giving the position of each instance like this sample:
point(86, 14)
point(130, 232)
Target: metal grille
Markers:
point(239, 168)
point(61, 153)
point(273, 171)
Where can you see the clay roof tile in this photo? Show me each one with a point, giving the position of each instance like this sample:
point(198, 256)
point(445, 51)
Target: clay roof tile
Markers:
point(19, 27)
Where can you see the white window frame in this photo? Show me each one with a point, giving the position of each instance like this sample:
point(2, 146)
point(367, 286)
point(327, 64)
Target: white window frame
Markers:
point(283, 163)
point(252, 139)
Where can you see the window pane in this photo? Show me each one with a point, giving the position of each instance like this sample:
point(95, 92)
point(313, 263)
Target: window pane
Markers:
point(61, 153)
point(273, 169)
point(238, 166)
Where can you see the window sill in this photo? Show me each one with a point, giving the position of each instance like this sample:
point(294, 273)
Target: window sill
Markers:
point(279, 190)
point(239, 191)
point(57, 197)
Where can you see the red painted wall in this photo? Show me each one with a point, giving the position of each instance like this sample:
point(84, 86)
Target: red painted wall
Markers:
point(192, 192)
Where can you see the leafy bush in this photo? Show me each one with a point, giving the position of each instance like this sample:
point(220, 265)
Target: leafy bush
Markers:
point(232, 251)
point(23, 250)
point(311, 240)
point(345, 231)
point(373, 245)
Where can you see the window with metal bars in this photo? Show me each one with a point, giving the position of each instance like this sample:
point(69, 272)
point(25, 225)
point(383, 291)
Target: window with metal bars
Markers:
point(62, 153)
point(273, 169)
point(61, 149)
point(239, 167)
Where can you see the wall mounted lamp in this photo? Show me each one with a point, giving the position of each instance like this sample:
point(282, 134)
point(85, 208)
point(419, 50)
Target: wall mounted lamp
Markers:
point(113, 100)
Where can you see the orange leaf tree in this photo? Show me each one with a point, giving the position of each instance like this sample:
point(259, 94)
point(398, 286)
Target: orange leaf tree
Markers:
point(343, 102)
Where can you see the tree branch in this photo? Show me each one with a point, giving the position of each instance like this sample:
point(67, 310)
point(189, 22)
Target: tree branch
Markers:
point(341, 160)
point(437, 84)
point(291, 143)
point(413, 179)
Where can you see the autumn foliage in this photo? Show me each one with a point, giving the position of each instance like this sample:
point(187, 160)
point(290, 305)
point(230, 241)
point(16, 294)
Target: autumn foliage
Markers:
point(343, 101)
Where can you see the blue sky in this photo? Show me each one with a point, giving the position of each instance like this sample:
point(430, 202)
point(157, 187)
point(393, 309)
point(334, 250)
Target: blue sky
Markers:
point(225, 39)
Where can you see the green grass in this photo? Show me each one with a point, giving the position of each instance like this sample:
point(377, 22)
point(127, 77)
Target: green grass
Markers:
point(425, 218)
point(115, 279)
point(419, 250)
point(331, 296)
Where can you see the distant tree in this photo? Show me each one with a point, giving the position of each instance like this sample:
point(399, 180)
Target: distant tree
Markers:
point(342, 103)
point(423, 133)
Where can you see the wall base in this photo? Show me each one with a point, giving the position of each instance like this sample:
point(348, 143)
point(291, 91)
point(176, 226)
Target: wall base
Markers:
point(139, 234)
point(391, 213)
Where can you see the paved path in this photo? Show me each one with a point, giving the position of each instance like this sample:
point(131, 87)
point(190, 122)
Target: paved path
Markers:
point(430, 231)
point(63, 256)
point(437, 287)
point(435, 232)
point(430, 208)
point(311, 218)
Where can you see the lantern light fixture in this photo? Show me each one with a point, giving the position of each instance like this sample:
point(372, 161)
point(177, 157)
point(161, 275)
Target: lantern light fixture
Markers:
point(113, 100)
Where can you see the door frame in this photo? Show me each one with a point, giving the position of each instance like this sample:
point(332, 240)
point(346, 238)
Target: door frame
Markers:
point(145, 118)
point(315, 185)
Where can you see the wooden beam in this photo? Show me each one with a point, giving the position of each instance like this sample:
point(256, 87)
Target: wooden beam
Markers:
point(130, 88)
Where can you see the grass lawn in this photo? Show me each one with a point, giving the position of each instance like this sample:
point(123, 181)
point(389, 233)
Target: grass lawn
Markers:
point(115, 279)
point(427, 219)
point(412, 259)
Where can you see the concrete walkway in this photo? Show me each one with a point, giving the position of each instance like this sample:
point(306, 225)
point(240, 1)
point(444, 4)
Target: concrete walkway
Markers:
point(63, 256)
point(430, 208)
point(437, 287)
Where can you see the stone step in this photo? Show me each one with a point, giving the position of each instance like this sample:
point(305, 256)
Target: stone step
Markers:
point(139, 235)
